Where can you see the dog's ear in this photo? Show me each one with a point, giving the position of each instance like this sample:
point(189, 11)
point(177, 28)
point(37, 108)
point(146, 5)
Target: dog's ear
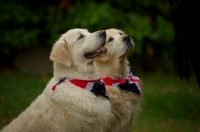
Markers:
point(60, 53)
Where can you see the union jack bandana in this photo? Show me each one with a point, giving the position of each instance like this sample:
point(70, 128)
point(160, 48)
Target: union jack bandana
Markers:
point(96, 86)
point(130, 83)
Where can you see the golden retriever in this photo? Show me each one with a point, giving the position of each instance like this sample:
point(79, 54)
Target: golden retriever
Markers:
point(123, 86)
point(74, 100)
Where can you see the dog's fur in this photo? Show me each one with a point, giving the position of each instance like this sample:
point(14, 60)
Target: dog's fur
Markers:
point(68, 108)
point(125, 104)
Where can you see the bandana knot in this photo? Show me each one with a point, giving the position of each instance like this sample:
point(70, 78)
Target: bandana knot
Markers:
point(96, 86)
point(130, 83)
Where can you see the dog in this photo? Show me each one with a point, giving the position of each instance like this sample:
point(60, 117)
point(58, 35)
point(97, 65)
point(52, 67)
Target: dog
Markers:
point(75, 99)
point(123, 86)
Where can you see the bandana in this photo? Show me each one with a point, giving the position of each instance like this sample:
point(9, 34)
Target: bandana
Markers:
point(130, 83)
point(95, 86)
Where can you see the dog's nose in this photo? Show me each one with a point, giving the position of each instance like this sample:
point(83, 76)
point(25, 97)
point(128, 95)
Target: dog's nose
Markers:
point(127, 38)
point(102, 33)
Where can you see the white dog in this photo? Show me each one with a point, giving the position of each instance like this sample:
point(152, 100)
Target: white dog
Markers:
point(123, 86)
point(74, 100)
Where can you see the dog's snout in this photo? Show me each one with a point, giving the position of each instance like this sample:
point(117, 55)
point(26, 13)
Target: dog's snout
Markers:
point(127, 38)
point(102, 33)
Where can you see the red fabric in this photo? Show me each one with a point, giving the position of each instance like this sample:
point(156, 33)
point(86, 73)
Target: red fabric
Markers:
point(54, 87)
point(130, 79)
point(81, 83)
point(109, 81)
point(95, 86)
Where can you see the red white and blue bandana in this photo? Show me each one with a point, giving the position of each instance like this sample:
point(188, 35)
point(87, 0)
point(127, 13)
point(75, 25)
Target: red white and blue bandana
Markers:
point(95, 86)
point(130, 83)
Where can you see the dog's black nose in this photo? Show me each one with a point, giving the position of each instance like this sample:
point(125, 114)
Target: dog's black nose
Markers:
point(127, 38)
point(102, 33)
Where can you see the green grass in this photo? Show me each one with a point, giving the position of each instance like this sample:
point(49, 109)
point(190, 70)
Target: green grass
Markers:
point(169, 104)
point(17, 91)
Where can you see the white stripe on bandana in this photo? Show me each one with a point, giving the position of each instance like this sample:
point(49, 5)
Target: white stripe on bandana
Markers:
point(135, 79)
point(130, 83)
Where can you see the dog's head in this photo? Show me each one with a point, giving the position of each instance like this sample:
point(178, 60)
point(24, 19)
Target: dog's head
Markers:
point(118, 44)
point(77, 46)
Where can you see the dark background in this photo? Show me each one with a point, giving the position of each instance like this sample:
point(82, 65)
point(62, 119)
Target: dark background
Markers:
point(29, 28)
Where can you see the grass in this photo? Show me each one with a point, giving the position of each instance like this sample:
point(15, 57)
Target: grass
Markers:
point(17, 91)
point(169, 104)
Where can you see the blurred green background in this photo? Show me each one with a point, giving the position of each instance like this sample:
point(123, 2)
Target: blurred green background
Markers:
point(29, 28)
point(25, 24)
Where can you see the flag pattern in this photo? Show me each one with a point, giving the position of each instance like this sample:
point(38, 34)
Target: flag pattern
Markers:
point(130, 83)
point(95, 86)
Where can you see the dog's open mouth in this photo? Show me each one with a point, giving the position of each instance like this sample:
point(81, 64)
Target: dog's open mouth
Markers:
point(101, 50)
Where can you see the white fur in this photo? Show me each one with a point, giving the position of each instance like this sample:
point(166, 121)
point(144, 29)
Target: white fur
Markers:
point(68, 108)
point(125, 104)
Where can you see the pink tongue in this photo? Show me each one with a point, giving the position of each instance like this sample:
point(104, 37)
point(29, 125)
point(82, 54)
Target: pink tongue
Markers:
point(98, 50)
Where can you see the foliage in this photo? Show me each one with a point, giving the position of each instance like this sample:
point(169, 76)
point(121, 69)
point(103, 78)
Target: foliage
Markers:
point(24, 24)
point(22, 27)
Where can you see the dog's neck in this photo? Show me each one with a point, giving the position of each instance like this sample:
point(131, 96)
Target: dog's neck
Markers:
point(112, 68)
point(84, 71)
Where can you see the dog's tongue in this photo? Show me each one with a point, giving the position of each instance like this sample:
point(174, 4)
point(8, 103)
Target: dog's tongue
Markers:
point(100, 49)
point(96, 53)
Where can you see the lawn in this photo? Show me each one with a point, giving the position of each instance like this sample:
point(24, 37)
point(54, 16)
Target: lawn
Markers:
point(169, 104)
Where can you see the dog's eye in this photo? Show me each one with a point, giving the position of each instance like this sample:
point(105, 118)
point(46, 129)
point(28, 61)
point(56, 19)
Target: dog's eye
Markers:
point(81, 36)
point(110, 39)
point(120, 33)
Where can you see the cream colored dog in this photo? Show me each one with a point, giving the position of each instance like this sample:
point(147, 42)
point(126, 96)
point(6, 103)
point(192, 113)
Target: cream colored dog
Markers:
point(72, 100)
point(123, 86)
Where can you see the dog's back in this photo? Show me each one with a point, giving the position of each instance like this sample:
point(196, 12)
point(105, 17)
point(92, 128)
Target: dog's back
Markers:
point(59, 112)
point(66, 106)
